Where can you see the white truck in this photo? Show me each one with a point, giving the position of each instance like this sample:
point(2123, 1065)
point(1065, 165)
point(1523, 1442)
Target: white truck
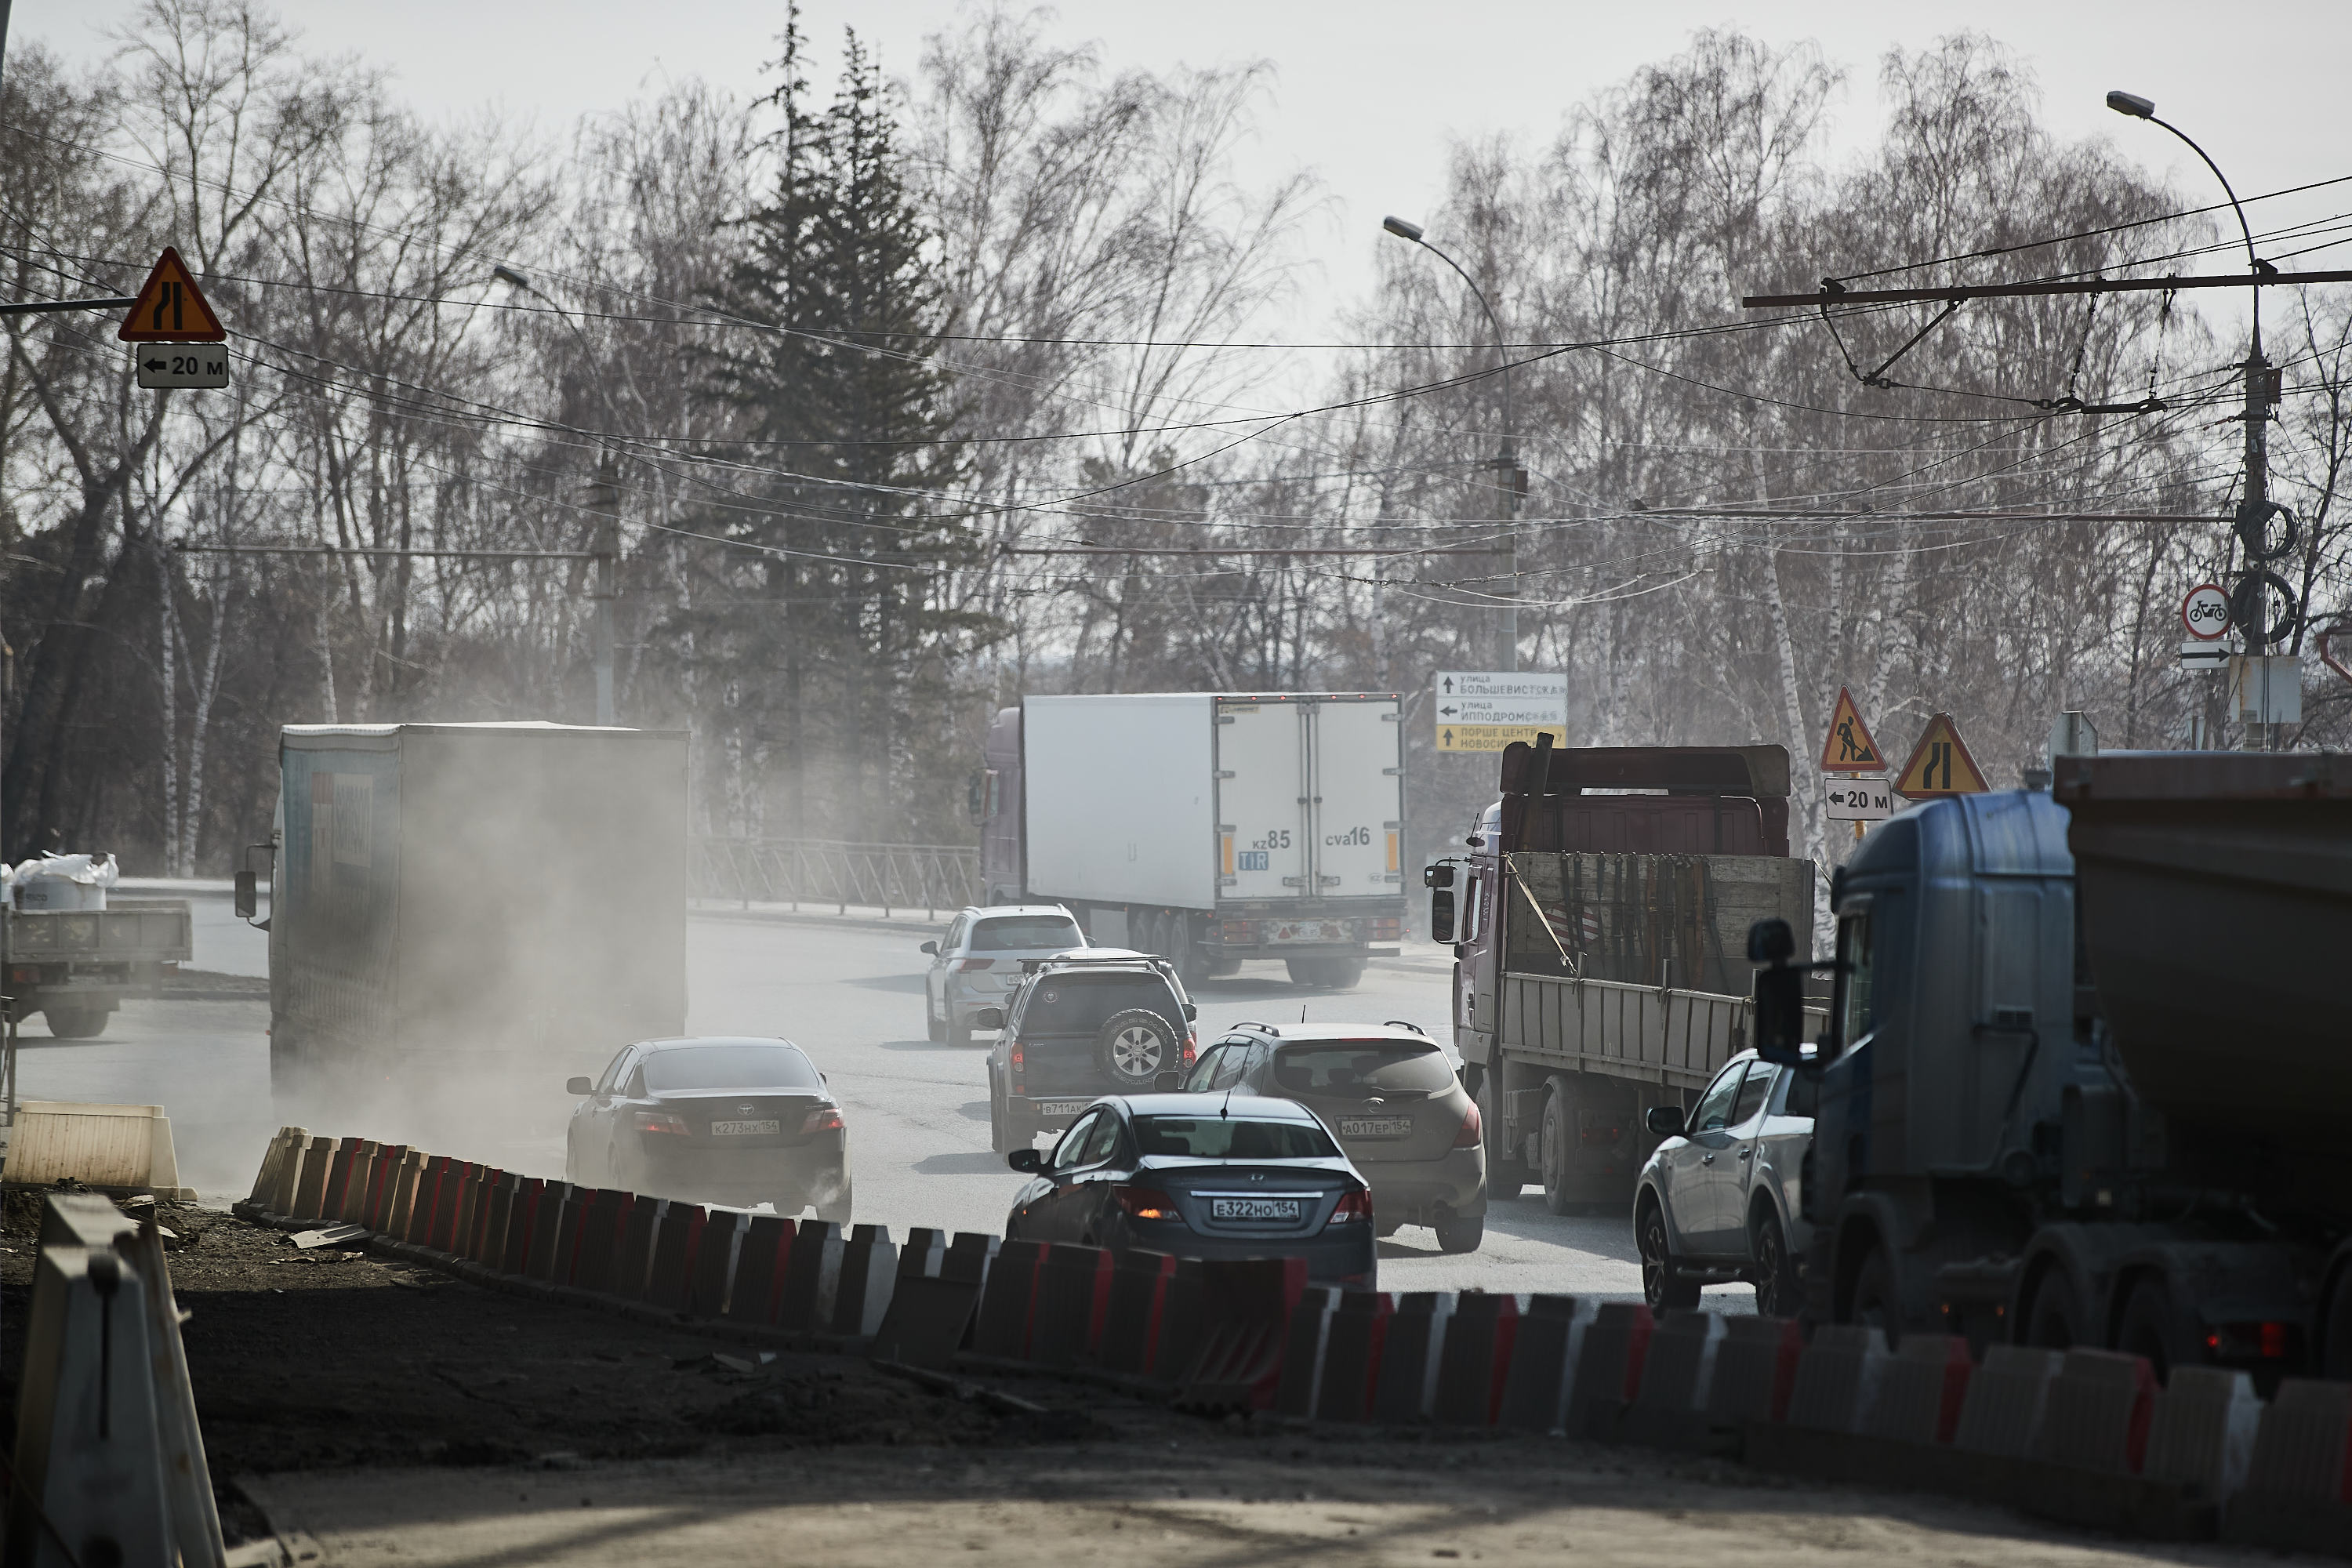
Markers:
point(1210, 827)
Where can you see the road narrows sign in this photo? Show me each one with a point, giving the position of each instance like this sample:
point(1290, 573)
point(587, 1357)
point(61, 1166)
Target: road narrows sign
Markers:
point(1940, 765)
point(170, 308)
point(2205, 611)
point(1848, 748)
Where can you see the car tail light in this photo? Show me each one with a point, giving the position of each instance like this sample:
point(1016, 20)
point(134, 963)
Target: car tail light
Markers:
point(1236, 933)
point(1146, 1203)
point(1191, 1044)
point(1473, 1130)
point(25, 976)
point(2253, 1341)
point(660, 1121)
point(1016, 1058)
point(969, 963)
point(1386, 928)
point(1353, 1207)
point(824, 1119)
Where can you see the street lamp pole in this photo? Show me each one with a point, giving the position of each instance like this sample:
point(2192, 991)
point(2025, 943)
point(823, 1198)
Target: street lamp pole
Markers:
point(2255, 509)
point(605, 545)
point(1505, 462)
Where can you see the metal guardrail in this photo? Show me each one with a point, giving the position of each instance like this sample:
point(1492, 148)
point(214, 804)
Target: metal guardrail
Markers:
point(796, 872)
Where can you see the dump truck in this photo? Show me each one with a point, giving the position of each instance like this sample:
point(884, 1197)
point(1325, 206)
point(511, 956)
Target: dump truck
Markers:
point(1209, 828)
point(2085, 1071)
point(1600, 930)
point(77, 967)
point(453, 897)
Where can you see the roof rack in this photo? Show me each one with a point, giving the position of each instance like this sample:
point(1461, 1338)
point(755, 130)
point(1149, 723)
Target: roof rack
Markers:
point(1401, 1024)
point(1253, 1024)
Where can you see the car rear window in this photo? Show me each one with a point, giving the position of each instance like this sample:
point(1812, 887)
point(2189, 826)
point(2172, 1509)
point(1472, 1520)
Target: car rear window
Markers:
point(685, 1069)
point(1224, 1138)
point(1343, 1068)
point(1027, 933)
point(1079, 1005)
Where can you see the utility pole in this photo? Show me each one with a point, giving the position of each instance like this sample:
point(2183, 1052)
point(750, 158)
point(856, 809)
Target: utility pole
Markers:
point(1505, 462)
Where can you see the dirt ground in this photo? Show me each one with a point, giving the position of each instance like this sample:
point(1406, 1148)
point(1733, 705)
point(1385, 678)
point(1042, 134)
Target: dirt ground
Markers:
point(394, 1413)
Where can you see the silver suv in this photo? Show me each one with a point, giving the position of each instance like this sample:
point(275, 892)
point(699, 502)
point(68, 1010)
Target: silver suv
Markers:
point(1721, 1198)
point(977, 962)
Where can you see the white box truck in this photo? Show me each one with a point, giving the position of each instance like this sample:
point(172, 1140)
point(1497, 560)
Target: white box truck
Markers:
point(1209, 827)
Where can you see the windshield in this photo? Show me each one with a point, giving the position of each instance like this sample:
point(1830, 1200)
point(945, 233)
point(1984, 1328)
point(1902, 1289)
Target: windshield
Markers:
point(1027, 933)
point(1079, 1005)
point(747, 1066)
point(1220, 1137)
point(1345, 1067)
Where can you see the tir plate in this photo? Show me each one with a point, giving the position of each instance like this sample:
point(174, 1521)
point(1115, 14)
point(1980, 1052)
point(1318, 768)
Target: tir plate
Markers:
point(1255, 1208)
point(1375, 1126)
point(745, 1129)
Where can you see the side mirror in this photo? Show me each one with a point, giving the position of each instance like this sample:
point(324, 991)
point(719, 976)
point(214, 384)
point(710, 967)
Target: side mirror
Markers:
point(1192, 1013)
point(579, 1086)
point(1437, 876)
point(988, 1018)
point(1780, 1015)
point(1167, 1082)
point(1772, 941)
point(248, 895)
point(1027, 1161)
point(930, 947)
point(1441, 915)
point(975, 798)
point(1665, 1120)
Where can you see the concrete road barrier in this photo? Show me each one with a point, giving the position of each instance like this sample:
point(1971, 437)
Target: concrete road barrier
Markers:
point(339, 1179)
point(1009, 1302)
point(926, 1322)
point(812, 1277)
point(318, 1161)
point(1351, 1355)
point(761, 1265)
point(1677, 1379)
point(1139, 1295)
point(1476, 1363)
point(383, 1180)
point(2002, 1412)
point(1755, 1370)
point(599, 1237)
point(2303, 1446)
point(1544, 1354)
point(713, 1269)
point(1921, 1389)
point(288, 1173)
point(1246, 1305)
point(1838, 1378)
point(522, 1217)
point(348, 1204)
point(558, 1202)
point(1609, 1364)
point(273, 1160)
point(668, 1277)
point(489, 1244)
point(920, 1254)
point(869, 1267)
point(1302, 1351)
point(422, 1195)
point(471, 1181)
point(2201, 1431)
point(2097, 1411)
point(1073, 1289)
point(1411, 1356)
point(632, 1256)
point(1180, 1322)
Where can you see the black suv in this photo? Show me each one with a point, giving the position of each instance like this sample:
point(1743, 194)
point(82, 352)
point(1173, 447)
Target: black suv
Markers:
point(1083, 1025)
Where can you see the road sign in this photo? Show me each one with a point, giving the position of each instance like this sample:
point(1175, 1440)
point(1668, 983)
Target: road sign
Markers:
point(1859, 799)
point(2198, 654)
point(1848, 748)
point(1486, 709)
point(2206, 612)
point(1493, 737)
point(1940, 765)
point(170, 308)
point(181, 365)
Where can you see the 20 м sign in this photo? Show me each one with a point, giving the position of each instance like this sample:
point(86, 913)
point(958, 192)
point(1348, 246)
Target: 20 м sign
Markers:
point(1486, 709)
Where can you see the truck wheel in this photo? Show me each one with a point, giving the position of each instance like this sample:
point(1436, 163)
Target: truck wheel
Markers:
point(76, 1022)
point(1663, 1284)
point(1325, 973)
point(2054, 1320)
point(1779, 1292)
point(1184, 952)
point(2152, 1328)
point(1551, 1145)
point(1133, 1048)
point(1505, 1173)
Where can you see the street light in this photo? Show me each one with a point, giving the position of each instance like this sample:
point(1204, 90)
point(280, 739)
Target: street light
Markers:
point(2254, 511)
point(1506, 461)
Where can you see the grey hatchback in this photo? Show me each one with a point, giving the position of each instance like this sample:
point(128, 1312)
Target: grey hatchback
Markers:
point(1394, 1101)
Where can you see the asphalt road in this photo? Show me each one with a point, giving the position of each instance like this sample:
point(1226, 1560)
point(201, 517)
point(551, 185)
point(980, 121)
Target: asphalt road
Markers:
point(852, 995)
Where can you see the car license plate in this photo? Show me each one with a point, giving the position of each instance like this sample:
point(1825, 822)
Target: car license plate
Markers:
point(1254, 1208)
point(744, 1128)
point(1060, 1107)
point(1308, 930)
point(1375, 1126)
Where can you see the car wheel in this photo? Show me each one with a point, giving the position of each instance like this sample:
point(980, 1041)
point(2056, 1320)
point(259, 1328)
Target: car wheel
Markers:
point(1876, 1303)
point(1551, 1144)
point(1000, 1130)
point(1133, 1046)
point(1779, 1292)
point(1455, 1234)
point(933, 1024)
point(1663, 1284)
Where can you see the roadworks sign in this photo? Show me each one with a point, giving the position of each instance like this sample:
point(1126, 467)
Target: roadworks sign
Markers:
point(1940, 765)
point(1490, 737)
point(170, 308)
point(1848, 748)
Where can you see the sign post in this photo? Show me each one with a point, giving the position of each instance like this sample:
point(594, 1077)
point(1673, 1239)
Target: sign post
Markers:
point(1485, 711)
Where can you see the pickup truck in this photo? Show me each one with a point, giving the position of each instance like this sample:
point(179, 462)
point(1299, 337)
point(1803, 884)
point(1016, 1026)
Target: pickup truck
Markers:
point(76, 967)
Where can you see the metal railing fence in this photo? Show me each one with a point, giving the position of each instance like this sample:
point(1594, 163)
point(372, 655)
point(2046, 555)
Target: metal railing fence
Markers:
point(796, 872)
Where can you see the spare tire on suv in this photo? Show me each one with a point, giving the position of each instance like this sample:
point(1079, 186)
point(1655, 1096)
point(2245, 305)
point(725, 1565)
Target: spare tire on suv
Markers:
point(1135, 1047)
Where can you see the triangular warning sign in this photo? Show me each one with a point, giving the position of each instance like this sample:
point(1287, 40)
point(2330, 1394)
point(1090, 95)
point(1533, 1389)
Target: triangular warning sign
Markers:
point(1940, 765)
point(171, 308)
point(1848, 748)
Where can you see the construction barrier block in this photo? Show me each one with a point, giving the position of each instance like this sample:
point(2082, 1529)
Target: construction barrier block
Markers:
point(557, 1235)
point(339, 1179)
point(926, 1320)
point(1476, 1361)
point(1352, 1347)
point(1609, 1364)
point(350, 1208)
point(400, 1197)
point(812, 1277)
point(2201, 1432)
point(2097, 1412)
point(489, 1248)
point(273, 1160)
point(1838, 1377)
point(1544, 1354)
point(1755, 1370)
point(669, 1281)
point(1921, 1388)
point(2298, 1491)
point(318, 1161)
point(2002, 1412)
point(522, 1217)
point(432, 1170)
point(1411, 1356)
point(869, 1265)
point(633, 1259)
point(714, 1262)
point(1677, 1378)
point(595, 1264)
point(919, 1255)
point(289, 1174)
point(463, 1210)
point(760, 1267)
point(383, 1181)
point(1073, 1282)
point(1302, 1354)
point(1180, 1322)
point(1138, 1294)
point(1009, 1300)
point(1245, 1306)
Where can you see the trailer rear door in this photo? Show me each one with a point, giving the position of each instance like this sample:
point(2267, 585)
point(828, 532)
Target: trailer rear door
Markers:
point(1358, 795)
point(1265, 831)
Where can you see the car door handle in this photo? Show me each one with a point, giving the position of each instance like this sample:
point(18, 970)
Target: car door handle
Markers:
point(1744, 1153)
point(1706, 1160)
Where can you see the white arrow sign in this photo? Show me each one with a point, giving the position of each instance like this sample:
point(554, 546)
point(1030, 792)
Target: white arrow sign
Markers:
point(1499, 696)
point(1858, 800)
